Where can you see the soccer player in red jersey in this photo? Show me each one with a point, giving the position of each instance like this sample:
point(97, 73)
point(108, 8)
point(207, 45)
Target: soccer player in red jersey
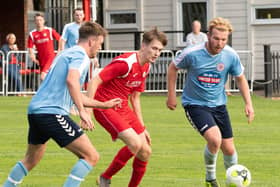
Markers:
point(42, 37)
point(125, 78)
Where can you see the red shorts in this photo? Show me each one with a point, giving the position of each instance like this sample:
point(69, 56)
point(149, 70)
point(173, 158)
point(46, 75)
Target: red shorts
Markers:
point(45, 65)
point(116, 121)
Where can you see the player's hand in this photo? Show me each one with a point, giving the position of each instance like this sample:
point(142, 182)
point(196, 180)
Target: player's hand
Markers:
point(148, 137)
point(33, 58)
point(250, 114)
point(171, 103)
point(113, 103)
point(86, 122)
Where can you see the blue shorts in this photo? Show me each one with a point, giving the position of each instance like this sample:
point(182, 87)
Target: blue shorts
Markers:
point(60, 128)
point(202, 118)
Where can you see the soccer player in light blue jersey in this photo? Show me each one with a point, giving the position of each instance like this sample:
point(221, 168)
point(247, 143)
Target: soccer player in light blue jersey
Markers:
point(70, 33)
point(204, 98)
point(48, 111)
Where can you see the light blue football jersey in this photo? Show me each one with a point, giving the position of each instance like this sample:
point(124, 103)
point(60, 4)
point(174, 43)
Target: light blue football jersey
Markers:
point(70, 34)
point(207, 74)
point(53, 96)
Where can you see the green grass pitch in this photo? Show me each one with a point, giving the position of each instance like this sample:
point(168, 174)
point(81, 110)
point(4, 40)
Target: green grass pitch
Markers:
point(177, 148)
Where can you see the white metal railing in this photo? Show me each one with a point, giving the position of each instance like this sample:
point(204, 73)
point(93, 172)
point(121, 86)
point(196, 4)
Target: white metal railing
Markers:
point(2, 75)
point(23, 77)
point(156, 81)
point(29, 74)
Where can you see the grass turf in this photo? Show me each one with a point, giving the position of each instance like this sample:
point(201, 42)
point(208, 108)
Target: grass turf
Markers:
point(177, 149)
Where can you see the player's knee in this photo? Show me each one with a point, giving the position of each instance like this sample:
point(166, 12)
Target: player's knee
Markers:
point(135, 146)
point(215, 143)
point(145, 152)
point(92, 158)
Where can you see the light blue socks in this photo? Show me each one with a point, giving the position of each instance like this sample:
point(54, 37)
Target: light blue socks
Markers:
point(16, 175)
point(230, 160)
point(210, 163)
point(78, 173)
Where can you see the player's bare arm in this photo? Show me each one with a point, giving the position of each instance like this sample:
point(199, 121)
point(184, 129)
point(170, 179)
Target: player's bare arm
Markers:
point(74, 90)
point(136, 105)
point(171, 102)
point(32, 56)
point(245, 92)
point(93, 85)
point(61, 45)
point(92, 103)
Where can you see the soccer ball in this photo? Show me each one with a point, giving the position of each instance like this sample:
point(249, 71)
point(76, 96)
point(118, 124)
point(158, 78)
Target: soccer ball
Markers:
point(238, 176)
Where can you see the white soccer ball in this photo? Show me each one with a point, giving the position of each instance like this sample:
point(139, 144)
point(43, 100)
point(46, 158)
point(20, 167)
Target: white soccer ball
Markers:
point(238, 176)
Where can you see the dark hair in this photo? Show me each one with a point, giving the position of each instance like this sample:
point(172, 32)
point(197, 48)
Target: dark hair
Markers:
point(89, 28)
point(153, 34)
point(77, 9)
point(39, 15)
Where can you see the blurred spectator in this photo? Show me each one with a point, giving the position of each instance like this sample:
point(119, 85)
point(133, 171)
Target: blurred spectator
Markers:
point(70, 33)
point(196, 37)
point(42, 37)
point(14, 77)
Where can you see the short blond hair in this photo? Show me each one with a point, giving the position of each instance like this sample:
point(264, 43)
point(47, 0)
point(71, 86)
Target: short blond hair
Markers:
point(220, 24)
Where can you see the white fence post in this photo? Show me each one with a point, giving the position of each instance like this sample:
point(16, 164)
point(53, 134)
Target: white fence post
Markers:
point(2, 73)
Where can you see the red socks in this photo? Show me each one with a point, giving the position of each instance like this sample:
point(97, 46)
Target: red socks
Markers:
point(139, 169)
point(118, 163)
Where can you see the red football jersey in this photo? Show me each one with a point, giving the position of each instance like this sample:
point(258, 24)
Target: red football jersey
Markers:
point(123, 76)
point(43, 41)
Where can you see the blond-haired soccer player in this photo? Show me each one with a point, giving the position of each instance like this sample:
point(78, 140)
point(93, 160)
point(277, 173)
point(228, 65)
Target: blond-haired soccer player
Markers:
point(125, 78)
point(204, 98)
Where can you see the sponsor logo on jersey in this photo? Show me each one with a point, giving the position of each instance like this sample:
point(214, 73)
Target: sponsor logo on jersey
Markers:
point(220, 66)
point(209, 79)
point(43, 40)
point(133, 83)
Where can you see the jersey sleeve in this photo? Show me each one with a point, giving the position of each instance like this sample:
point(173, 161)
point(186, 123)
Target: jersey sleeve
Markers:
point(113, 70)
point(55, 35)
point(236, 68)
point(30, 43)
point(76, 60)
point(182, 61)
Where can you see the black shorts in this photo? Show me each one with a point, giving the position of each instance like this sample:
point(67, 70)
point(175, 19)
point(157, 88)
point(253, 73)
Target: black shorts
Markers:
point(60, 128)
point(202, 118)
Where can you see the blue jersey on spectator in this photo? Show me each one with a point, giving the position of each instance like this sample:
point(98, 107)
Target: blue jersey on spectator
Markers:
point(53, 96)
point(207, 74)
point(70, 34)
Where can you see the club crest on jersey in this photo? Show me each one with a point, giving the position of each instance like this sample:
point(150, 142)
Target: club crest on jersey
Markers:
point(144, 74)
point(220, 66)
